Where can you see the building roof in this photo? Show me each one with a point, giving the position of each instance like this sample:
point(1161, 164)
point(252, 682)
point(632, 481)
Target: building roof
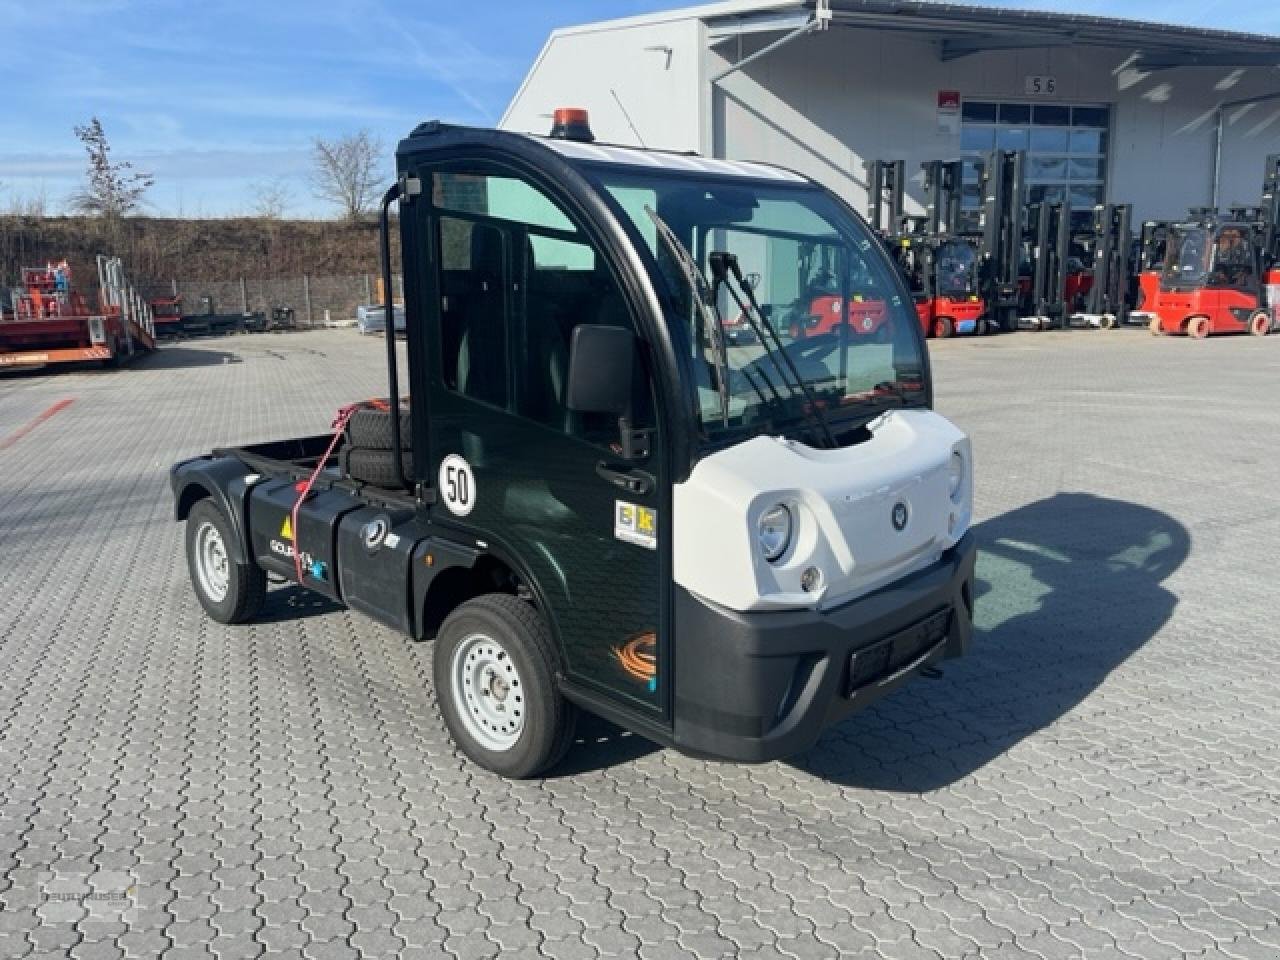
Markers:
point(965, 29)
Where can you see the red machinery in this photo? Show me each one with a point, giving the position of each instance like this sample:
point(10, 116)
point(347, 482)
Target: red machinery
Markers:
point(940, 267)
point(1212, 280)
point(52, 323)
point(820, 307)
point(166, 314)
point(943, 277)
point(1221, 274)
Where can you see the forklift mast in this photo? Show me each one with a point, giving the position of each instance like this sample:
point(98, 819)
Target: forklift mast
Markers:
point(1112, 261)
point(1050, 228)
point(1001, 225)
point(1270, 239)
point(942, 182)
point(886, 188)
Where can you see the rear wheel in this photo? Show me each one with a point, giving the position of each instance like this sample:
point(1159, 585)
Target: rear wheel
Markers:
point(229, 591)
point(1154, 326)
point(494, 667)
point(944, 327)
point(1260, 324)
point(1198, 327)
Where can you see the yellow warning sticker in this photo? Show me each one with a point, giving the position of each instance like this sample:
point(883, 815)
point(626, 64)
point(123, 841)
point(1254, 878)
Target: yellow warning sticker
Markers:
point(633, 523)
point(286, 529)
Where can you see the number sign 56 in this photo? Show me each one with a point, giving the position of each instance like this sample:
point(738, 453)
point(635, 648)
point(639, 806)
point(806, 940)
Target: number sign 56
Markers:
point(1041, 86)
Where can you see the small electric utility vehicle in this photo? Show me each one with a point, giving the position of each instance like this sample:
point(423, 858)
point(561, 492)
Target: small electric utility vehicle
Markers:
point(593, 501)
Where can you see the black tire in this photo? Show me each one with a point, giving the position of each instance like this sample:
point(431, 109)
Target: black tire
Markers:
point(377, 467)
point(246, 583)
point(371, 429)
point(548, 719)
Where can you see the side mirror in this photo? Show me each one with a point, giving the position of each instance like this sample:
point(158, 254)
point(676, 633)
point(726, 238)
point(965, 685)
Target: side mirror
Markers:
point(601, 361)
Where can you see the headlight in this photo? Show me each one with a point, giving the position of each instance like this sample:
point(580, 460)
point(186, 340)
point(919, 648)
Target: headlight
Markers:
point(955, 479)
point(774, 532)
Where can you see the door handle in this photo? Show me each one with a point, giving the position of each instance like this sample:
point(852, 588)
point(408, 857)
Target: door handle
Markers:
point(635, 482)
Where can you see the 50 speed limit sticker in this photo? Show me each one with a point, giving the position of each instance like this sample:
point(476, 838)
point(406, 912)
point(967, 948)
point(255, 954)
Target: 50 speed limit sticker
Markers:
point(457, 485)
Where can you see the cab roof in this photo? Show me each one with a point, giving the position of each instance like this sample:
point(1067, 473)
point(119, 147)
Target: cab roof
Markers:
point(579, 152)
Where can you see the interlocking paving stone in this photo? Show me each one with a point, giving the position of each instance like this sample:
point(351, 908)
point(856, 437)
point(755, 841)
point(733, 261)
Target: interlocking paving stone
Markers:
point(1098, 779)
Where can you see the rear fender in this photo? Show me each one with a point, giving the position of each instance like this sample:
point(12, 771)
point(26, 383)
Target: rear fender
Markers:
point(227, 483)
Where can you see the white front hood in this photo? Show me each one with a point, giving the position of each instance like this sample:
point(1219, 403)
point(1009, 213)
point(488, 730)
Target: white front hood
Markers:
point(842, 504)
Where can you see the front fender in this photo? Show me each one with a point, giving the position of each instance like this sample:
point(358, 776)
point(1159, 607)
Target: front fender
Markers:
point(224, 480)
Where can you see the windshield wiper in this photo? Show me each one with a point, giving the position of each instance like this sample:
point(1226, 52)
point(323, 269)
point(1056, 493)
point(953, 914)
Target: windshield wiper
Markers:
point(706, 305)
point(724, 266)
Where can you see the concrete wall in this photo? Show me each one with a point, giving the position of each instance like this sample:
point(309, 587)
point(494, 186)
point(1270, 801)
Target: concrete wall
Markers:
point(829, 101)
point(606, 71)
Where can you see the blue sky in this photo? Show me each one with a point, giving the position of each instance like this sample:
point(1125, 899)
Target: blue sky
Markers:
point(217, 97)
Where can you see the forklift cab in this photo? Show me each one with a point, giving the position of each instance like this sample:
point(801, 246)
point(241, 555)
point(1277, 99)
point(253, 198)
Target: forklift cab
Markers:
point(943, 274)
point(1211, 280)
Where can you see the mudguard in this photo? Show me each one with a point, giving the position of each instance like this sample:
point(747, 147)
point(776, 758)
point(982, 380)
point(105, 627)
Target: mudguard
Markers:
point(225, 480)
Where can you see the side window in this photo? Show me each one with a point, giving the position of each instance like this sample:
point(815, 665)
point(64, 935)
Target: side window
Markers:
point(516, 276)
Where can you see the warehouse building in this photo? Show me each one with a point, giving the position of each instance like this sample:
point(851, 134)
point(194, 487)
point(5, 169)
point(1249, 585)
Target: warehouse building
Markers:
point(1161, 117)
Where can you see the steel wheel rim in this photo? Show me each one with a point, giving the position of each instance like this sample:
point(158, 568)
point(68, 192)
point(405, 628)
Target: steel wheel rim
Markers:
point(488, 691)
point(213, 568)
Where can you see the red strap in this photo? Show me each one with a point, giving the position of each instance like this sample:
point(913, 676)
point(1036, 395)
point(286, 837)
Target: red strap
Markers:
point(339, 424)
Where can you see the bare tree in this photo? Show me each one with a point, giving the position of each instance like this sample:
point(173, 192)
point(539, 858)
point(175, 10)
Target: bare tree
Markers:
point(112, 189)
point(346, 172)
point(271, 198)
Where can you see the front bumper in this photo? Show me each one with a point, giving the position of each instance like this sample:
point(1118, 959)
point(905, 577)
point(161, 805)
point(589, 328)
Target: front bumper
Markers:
point(758, 686)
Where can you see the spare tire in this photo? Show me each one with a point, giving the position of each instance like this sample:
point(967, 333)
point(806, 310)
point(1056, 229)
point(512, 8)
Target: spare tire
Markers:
point(377, 467)
point(370, 429)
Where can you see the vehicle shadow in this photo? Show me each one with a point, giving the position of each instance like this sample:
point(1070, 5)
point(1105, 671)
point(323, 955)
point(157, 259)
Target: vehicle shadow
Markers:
point(598, 745)
point(1067, 589)
point(170, 357)
point(293, 602)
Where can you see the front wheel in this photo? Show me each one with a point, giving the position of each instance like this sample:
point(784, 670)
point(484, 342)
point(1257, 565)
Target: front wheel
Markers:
point(1156, 328)
point(494, 667)
point(229, 591)
point(1198, 327)
point(1260, 324)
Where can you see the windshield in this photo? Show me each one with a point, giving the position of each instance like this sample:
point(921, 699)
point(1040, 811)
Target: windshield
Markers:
point(1186, 261)
point(956, 266)
point(818, 323)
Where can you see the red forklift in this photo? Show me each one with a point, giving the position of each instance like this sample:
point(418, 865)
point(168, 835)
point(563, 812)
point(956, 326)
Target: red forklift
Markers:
point(821, 308)
point(1148, 265)
point(1221, 273)
point(940, 266)
point(52, 322)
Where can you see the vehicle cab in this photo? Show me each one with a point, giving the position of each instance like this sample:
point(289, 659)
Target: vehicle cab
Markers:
point(722, 546)
point(1211, 280)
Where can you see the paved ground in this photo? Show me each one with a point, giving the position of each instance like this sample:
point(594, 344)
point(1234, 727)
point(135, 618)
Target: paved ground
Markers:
point(1098, 780)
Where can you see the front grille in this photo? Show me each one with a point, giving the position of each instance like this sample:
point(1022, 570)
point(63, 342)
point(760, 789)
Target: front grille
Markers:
point(871, 664)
